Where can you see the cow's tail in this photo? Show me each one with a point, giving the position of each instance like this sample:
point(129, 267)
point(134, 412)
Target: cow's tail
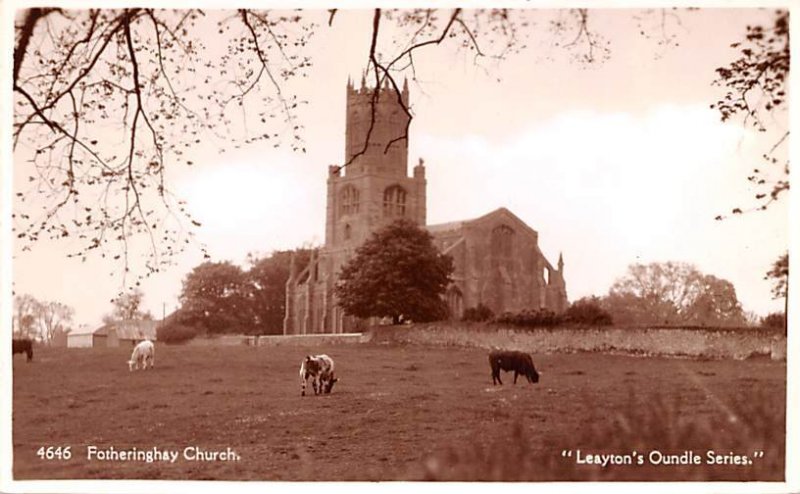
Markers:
point(303, 376)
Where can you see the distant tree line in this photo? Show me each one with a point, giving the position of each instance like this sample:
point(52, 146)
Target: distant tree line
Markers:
point(657, 294)
point(43, 321)
point(222, 298)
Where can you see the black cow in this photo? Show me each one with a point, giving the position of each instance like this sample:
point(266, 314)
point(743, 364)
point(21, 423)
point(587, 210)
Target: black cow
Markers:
point(22, 346)
point(509, 360)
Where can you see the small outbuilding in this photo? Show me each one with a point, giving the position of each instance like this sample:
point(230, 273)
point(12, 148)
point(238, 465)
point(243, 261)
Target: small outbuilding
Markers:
point(113, 334)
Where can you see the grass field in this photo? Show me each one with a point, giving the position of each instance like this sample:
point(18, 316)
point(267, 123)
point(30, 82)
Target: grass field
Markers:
point(398, 413)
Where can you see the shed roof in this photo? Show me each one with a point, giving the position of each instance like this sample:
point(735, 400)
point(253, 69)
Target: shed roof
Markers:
point(129, 330)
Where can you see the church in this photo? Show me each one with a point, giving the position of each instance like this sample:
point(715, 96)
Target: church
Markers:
point(497, 258)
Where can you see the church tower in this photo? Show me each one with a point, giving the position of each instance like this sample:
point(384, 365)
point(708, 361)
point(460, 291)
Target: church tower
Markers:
point(367, 192)
point(373, 188)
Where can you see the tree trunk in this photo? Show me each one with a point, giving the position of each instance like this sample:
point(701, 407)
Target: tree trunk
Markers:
point(25, 34)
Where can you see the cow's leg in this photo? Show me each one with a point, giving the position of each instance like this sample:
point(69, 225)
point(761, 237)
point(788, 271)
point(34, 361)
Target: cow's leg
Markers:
point(303, 386)
point(515, 377)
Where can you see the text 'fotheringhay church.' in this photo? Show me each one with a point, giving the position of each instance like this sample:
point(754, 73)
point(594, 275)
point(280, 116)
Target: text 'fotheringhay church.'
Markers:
point(496, 256)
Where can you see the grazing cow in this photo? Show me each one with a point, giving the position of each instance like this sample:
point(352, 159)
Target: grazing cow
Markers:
point(318, 368)
point(142, 352)
point(24, 345)
point(508, 360)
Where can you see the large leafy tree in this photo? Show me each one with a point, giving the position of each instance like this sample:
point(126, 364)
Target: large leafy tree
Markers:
point(396, 272)
point(215, 300)
point(266, 286)
point(673, 293)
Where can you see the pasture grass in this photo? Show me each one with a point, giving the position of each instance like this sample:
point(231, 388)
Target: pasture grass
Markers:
point(651, 425)
point(399, 412)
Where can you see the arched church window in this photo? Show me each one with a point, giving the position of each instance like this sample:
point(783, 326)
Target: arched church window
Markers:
point(394, 201)
point(502, 241)
point(347, 231)
point(349, 200)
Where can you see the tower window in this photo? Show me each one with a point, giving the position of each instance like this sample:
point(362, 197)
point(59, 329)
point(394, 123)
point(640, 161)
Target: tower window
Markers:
point(394, 201)
point(349, 200)
point(347, 232)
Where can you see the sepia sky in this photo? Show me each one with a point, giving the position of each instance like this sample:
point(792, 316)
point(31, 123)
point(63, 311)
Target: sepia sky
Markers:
point(612, 163)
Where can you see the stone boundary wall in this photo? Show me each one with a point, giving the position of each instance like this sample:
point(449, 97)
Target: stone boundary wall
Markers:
point(308, 339)
point(694, 343)
point(277, 340)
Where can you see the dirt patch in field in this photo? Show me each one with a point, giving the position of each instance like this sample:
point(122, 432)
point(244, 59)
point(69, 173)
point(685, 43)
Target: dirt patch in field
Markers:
point(398, 412)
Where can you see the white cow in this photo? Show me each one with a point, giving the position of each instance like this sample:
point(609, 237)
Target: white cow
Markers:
point(318, 368)
point(142, 352)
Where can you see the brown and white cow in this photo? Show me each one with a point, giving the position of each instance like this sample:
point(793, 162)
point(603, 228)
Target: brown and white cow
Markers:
point(319, 369)
point(510, 360)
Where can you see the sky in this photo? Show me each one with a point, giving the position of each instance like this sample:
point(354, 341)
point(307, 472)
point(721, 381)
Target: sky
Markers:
point(612, 163)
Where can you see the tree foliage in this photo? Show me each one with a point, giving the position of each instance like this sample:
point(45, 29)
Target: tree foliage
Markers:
point(224, 298)
point(779, 274)
point(25, 309)
point(215, 299)
point(531, 318)
point(673, 293)
point(127, 307)
point(266, 285)
point(756, 88)
point(54, 317)
point(481, 313)
point(173, 332)
point(41, 320)
point(775, 320)
point(587, 311)
point(108, 100)
point(397, 272)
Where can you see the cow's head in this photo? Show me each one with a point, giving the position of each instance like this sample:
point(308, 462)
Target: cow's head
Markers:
point(327, 387)
point(131, 363)
point(533, 374)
